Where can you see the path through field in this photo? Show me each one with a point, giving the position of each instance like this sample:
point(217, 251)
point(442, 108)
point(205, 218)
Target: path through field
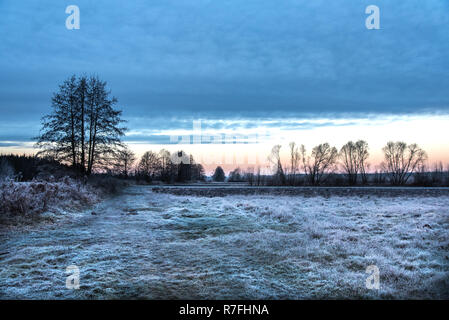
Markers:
point(143, 244)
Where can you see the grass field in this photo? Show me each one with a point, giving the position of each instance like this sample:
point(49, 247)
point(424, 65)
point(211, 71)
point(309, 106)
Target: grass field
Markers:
point(238, 245)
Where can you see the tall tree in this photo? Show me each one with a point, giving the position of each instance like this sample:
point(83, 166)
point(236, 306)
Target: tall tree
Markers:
point(401, 160)
point(84, 128)
point(150, 164)
point(362, 155)
point(124, 160)
point(320, 164)
point(348, 155)
point(105, 125)
point(275, 159)
point(219, 174)
point(59, 134)
point(236, 175)
point(354, 156)
point(294, 161)
point(166, 165)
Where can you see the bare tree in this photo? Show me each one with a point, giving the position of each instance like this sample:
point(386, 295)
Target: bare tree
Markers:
point(124, 161)
point(84, 128)
point(236, 175)
point(354, 156)
point(275, 159)
point(166, 165)
point(446, 177)
point(295, 157)
point(362, 156)
point(59, 135)
point(320, 164)
point(402, 160)
point(258, 177)
point(149, 164)
point(437, 174)
point(348, 155)
point(249, 175)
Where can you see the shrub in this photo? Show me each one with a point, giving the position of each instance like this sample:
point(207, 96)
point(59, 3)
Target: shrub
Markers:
point(29, 199)
point(106, 185)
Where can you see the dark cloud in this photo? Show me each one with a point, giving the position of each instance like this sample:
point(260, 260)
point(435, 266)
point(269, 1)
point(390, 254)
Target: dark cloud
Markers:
point(228, 59)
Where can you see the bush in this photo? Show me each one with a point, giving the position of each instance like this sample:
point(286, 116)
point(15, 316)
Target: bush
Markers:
point(106, 185)
point(29, 199)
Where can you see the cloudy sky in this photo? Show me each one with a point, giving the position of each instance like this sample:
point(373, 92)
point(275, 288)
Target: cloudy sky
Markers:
point(292, 70)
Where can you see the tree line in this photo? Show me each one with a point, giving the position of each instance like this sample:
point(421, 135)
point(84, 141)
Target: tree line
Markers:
point(326, 165)
point(161, 166)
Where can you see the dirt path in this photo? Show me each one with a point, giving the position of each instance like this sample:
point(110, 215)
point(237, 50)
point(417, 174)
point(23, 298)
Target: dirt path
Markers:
point(143, 244)
point(112, 247)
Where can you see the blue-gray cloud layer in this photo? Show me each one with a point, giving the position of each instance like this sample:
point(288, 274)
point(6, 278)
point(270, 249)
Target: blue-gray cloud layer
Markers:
point(225, 59)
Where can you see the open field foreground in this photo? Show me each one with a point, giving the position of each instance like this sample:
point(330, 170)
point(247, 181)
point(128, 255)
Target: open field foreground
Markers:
point(268, 245)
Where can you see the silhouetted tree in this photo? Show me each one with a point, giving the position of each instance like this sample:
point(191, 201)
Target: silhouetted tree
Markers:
point(84, 128)
point(219, 174)
point(124, 161)
point(401, 160)
point(166, 165)
point(198, 172)
point(275, 160)
point(354, 156)
point(295, 157)
point(320, 164)
point(249, 176)
point(236, 175)
point(362, 156)
point(184, 166)
point(149, 165)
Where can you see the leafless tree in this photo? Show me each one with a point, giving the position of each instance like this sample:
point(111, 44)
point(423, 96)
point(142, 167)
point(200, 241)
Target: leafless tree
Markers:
point(437, 174)
point(320, 164)
point(362, 155)
point(149, 164)
point(124, 161)
point(446, 177)
point(295, 158)
point(258, 177)
point(353, 156)
point(166, 165)
point(249, 176)
point(402, 160)
point(84, 128)
point(348, 155)
point(275, 159)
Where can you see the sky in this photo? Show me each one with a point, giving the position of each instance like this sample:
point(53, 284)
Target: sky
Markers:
point(263, 71)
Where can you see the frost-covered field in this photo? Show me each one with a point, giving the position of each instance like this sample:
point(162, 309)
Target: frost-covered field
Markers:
point(144, 244)
point(29, 202)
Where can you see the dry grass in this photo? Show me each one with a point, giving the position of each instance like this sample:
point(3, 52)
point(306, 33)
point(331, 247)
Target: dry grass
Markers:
point(25, 202)
point(150, 245)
